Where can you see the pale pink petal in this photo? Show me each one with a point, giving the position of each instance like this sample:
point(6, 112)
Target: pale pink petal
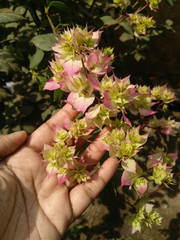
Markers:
point(107, 101)
point(129, 165)
point(92, 60)
point(142, 188)
point(167, 131)
point(174, 155)
point(94, 82)
point(97, 36)
point(57, 56)
point(126, 119)
point(144, 138)
point(126, 179)
point(80, 103)
point(72, 67)
point(132, 92)
point(51, 171)
point(146, 112)
point(154, 103)
point(61, 178)
point(51, 85)
point(92, 112)
point(56, 47)
point(154, 160)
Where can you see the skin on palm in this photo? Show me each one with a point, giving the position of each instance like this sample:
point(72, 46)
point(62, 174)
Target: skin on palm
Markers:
point(33, 206)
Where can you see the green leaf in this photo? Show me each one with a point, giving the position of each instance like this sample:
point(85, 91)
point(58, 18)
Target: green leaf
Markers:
point(169, 22)
point(171, 2)
point(36, 58)
point(45, 41)
point(138, 57)
point(7, 16)
point(125, 37)
point(41, 82)
point(58, 93)
point(108, 20)
point(127, 27)
point(60, 6)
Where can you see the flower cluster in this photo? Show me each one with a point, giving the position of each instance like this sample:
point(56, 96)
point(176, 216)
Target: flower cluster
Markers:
point(141, 24)
point(61, 157)
point(84, 71)
point(122, 3)
point(162, 93)
point(153, 4)
point(165, 126)
point(145, 214)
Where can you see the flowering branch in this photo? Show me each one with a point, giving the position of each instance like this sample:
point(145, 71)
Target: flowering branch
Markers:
point(84, 71)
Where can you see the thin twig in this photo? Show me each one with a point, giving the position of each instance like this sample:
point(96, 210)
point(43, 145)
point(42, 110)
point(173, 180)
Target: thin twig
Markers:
point(125, 19)
point(50, 21)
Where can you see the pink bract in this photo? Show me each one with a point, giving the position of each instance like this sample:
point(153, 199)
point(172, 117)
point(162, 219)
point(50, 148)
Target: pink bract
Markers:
point(80, 103)
point(51, 85)
point(72, 67)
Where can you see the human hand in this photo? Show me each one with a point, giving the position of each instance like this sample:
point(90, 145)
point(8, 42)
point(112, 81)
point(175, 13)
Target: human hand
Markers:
point(34, 206)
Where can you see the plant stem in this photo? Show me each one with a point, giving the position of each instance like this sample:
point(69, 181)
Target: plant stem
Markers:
point(113, 24)
point(50, 20)
point(147, 4)
point(163, 186)
point(124, 19)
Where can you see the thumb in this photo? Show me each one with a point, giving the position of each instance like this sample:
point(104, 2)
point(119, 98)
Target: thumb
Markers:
point(11, 142)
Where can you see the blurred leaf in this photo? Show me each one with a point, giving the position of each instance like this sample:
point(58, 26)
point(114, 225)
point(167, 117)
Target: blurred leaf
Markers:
point(138, 57)
point(60, 6)
point(32, 10)
point(45, 41)
point(11, 110)
point(47, 113)
point(35, 97)
point(41, 82)
point(127, 27)
point(125, 37)
point(169, 22)
point(108, 20)
point(3, 94)
point(7, 62)
point(169, 25)
point(7, 15)
point(28, 128)
point(58, 93)
point(16, 128)
point(26, 110)
point(36, 58)
point(89, 2)
point(19, 55)
point(171, 2)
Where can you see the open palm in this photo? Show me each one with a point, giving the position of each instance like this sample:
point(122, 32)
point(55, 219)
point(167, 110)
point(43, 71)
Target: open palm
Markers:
point(33, 206)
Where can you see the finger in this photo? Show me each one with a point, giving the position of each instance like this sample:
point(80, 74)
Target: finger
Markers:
point(11, 142)
point(95, 151)
point(83, 194)
point(45, 133)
